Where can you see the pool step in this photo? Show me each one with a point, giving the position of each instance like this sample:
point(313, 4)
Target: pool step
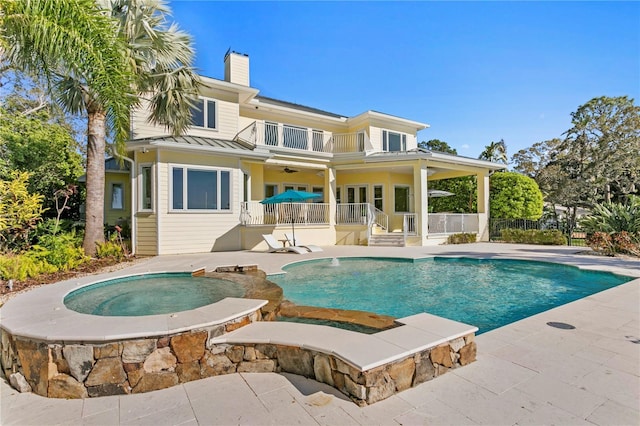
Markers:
point(387, 240)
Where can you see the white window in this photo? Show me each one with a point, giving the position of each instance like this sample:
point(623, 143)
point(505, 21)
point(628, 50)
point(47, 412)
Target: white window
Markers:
point(204, 113)
point(295, 187)
point(270, 190)
point(318, 190)
point(401, 199)
point(393, 142)
point(377, 197)
point(117, 196)
point(360, 136)
point(145, 201)
point(194, 188)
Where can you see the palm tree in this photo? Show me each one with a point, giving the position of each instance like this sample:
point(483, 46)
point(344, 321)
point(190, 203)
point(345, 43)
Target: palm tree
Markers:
point(157, 58)
point(495, 151)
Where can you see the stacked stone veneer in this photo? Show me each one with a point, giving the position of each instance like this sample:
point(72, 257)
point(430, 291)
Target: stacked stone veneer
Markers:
point(82, 370)
point(61, 370)
point(363, 387)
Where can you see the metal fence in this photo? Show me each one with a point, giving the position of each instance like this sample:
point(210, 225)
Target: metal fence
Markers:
point(577, 237)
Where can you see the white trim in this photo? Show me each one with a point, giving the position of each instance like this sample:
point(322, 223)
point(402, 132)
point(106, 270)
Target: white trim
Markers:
point(408, 198)
point(152, 177)
point(205, 116)
point(185, 168)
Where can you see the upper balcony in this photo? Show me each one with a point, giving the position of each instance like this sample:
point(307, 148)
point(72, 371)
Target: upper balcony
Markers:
point(272, 134)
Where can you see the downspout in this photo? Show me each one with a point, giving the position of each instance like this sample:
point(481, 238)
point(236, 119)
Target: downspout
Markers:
point(133, 199)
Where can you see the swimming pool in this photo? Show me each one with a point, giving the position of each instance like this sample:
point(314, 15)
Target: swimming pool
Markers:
point(150, 294)
point(487, 293)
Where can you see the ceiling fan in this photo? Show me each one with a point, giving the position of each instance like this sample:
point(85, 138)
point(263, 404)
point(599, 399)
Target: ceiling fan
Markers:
point(288, 170)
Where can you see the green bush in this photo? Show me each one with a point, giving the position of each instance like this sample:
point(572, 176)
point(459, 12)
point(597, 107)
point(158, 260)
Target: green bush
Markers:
point(614, 217)
point(110, 249)
point(514, 196)
point(462, 238)
point(533, 236)
point(21, 267)
point(63, 251)
point(20, 212)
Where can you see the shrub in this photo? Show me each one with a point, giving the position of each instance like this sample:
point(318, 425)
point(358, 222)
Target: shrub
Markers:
point(20, 211)
point(63, 251)
point(610, 244)
point(514, 196)
point(462, 238)
point(110, 249)
point(614, 217)
point(533, 236)
point(21, 267)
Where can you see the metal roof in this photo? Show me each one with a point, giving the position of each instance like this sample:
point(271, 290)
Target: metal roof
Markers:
point(196, 141)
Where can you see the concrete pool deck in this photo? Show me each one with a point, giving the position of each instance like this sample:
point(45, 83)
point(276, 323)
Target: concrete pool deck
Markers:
point(526, 373)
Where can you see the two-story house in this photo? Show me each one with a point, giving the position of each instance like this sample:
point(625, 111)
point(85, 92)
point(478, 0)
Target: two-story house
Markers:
point(201, 192)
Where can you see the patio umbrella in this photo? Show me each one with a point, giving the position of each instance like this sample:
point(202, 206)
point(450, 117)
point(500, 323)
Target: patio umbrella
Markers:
point(291, 196)
point(436, 193)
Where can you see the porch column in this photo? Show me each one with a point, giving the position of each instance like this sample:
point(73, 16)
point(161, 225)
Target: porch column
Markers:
point(330, 197)
point(421, 201)
point(483, 206)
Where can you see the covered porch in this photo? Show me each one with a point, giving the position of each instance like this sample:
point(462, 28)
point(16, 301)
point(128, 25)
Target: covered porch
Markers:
point(355, 223)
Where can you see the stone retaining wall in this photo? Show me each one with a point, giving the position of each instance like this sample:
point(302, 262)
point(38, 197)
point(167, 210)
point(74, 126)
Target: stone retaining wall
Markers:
point(61, 370)
point(82, 370)
point(363, 387)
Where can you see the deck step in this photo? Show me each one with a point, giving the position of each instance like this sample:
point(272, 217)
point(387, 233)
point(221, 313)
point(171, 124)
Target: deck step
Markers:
point(387, 240)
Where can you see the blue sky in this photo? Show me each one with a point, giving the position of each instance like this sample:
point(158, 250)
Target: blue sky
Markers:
point(475, 71)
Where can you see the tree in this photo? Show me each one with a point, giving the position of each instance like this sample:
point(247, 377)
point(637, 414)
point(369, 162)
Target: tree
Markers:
point(597, 161)
point(465, 198)
point(74, 39)
point(128, 41)
point(496, 152)
point(603, 148)
point(37, 137)
point(514, 196)
point(438, 145)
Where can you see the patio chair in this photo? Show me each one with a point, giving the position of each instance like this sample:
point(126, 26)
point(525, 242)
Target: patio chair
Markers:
point(275, 247)
point(309, 247)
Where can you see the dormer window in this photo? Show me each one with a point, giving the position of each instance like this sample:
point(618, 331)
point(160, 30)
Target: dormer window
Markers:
point(393, 142)
point(203, 114)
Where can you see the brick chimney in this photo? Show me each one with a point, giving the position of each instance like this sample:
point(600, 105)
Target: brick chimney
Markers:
point(236, 68)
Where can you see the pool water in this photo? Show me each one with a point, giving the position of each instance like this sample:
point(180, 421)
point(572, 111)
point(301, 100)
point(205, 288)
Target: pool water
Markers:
point(150, 294)
point(486, 293)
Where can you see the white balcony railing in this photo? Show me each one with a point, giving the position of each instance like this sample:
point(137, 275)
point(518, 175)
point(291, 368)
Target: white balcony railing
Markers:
point(353, 214)
point(452, 223)
point(303, 138)
point(254, 213)
point(409, 224)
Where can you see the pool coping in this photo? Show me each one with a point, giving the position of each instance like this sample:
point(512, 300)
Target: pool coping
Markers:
point(41, 314)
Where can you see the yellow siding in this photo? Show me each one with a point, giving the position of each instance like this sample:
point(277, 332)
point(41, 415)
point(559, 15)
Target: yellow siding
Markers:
point(141, 127)
point(188, 232)
point(146, 242)
point(227, 116)
point(111, 216)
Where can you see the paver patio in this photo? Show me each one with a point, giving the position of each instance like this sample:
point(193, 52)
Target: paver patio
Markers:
point(526, 373)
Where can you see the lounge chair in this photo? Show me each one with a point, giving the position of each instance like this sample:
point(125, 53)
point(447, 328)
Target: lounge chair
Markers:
point(275, 247)
point(309, 247)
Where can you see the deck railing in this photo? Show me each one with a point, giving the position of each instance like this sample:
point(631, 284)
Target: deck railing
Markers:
point(303, 138)
point(409, 224)
point(254, 213)
point(452, 223)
